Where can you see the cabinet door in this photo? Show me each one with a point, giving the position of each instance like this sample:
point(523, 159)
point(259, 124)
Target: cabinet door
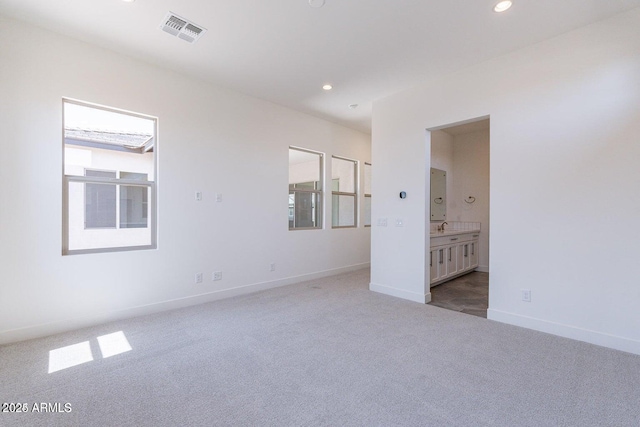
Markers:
point(474, 254)
point(451, 253)
point(438, 264)
point(442, 263)
point(433, 264)
point(460, 257)
point(466, 256)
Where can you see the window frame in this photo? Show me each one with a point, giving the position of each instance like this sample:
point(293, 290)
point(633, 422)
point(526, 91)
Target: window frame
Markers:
point(84, 203)
point(67, 180)
point(119, 199)
point(318, 192)
point(367, 195)
point(345, 193)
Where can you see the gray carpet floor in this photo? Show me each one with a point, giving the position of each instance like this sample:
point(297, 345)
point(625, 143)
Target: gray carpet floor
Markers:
point(323, 353)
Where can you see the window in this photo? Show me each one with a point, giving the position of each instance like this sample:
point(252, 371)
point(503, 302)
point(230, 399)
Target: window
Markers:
point(109, 179)
point(134, 202)
point(101, 206)
point(343, 192)
point(100, 202)
point(367, 194)
point(305, 189)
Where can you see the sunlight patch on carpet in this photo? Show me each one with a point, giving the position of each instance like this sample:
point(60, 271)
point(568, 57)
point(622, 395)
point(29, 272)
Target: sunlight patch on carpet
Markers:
point(112, 344)
point(71, 355)
point(77, 354)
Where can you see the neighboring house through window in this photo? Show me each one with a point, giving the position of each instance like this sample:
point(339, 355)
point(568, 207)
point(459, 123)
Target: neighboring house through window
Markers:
point(102, 202)
point(109, 173)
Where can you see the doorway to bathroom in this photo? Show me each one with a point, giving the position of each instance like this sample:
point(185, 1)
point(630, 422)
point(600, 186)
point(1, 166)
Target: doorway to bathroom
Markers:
point(467, 294)
point(458, 216)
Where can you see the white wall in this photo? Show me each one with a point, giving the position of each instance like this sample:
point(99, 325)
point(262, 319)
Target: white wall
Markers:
point(210, 140)
point(471, 178)
point(442, 152)
point(565, 120)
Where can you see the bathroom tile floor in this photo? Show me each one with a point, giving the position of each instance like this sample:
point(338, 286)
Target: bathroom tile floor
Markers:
point(467, 294)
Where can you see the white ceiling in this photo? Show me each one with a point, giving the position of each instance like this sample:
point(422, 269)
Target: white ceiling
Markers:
point(284, 51)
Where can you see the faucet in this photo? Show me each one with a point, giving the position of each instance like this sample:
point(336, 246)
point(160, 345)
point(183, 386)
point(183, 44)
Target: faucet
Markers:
point(441, 226)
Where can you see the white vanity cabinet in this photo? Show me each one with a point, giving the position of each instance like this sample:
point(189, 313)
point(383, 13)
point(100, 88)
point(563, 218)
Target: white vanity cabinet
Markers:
point(452, 254)
point(443, 262)
point(473, 256)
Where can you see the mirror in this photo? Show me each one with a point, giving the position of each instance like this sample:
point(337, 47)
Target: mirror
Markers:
point(438, 195)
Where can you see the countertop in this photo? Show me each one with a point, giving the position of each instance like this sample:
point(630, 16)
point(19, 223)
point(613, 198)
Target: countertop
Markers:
point(452, 232)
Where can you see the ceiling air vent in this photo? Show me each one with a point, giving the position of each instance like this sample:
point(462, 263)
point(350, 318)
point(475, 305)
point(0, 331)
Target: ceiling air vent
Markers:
point(181, 28)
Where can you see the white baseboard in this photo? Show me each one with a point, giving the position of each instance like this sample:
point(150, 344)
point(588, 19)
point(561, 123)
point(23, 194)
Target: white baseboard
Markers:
point(50, 328)
point(482, 268)
point(566, 331)
point(400, 293)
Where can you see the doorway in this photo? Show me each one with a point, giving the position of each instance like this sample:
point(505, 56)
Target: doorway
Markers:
point(462, 151)
point(467, 294)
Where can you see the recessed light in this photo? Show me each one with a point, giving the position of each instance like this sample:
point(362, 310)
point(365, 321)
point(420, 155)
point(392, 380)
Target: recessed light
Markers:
point(316, 3)
point(128, 1)
point(502, 6)
point(327, 87)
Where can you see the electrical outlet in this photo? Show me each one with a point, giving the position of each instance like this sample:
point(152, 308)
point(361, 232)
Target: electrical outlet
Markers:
point(198, 196)
point(217, 275)
point(198, 278)
point(399, 222)
point(526, 295)
point(272, 266)
point(382, 222)
point(218, 197)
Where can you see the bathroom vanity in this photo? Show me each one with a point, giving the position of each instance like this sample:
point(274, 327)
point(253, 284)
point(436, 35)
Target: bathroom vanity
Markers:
point(453, 253)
